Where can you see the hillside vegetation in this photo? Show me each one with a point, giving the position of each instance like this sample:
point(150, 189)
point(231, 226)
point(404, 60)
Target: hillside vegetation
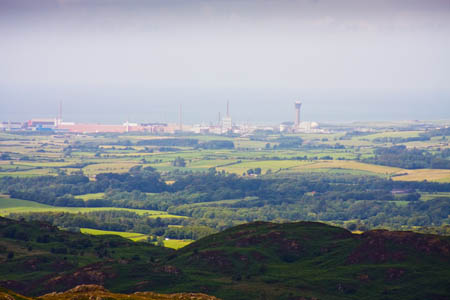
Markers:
point(259, 260)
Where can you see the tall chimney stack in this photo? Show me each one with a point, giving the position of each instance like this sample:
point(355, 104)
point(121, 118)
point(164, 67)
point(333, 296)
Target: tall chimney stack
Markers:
point(180, 122)
point(297, 106)
point(59, 121)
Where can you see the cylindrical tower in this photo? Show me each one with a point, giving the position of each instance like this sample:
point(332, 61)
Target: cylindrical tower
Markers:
point(297, 106)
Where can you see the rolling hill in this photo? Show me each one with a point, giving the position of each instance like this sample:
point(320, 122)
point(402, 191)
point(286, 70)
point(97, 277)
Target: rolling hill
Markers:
point(261, 260)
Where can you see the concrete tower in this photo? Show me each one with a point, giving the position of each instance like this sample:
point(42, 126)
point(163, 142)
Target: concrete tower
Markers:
point(297, 106)
point(227, 124)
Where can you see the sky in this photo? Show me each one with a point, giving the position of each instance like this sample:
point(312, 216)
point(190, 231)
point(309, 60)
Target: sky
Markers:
point(115, 60)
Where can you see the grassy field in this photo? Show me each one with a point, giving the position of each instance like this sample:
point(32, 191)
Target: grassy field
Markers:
point(391, 134)
point(424, 174)
point(265, 165)
point(429, 196)
point(137, 237)
point(117, 167)
point(176, 244)
point(11, 205)
point(29, 173)
point(91, 196)
point(295, 166)
point(128, 235)
point(301, 166)
point(351, 165)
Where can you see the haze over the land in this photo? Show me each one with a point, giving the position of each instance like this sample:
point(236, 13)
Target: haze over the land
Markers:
point(110, 60)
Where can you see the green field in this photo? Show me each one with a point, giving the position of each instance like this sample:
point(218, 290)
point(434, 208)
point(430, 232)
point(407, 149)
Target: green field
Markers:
point(10, 205)
point(392, 134)
point(429, 196)
point(293, 166)
point(91, 196)
point(137, 237)
point(29, 173)
point(176, 244)
point(436, 175)
point(129, 235)
point(116, 167)
point(46, 155)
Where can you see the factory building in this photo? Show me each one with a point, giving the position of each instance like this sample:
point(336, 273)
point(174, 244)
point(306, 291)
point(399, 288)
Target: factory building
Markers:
point(42, 124)
point(9, 126)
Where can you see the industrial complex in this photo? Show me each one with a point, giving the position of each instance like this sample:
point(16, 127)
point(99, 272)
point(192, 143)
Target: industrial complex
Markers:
point(225, 125)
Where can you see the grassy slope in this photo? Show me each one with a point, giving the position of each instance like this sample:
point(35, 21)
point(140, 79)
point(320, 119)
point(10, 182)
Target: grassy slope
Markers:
point(252, 261)
point(314, 260)
point(42, 252)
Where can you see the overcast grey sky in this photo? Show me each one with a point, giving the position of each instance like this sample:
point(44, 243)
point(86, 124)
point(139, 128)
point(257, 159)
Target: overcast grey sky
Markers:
point(109, 60)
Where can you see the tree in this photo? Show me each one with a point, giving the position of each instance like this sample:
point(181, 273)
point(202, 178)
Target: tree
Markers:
point(179, 162)
point(5, 156)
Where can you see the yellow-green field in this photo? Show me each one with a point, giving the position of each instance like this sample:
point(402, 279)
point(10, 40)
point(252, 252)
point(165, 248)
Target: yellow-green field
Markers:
point(176, 244)
point(265, 165)
point(128, 235)
point(349, 165)
point(137, 237)
point(116, 167)
point(300, 165)
point(294, 166)
point(91, 196)
point(10, 205)
point(436, 175)
point(429, 196)
point(391, 134)
point(29, 173)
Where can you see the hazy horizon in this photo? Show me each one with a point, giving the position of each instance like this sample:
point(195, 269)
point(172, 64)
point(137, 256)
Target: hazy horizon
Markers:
point(113, 60)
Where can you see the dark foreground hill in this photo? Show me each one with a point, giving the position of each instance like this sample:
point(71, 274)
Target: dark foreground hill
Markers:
point(303, 260)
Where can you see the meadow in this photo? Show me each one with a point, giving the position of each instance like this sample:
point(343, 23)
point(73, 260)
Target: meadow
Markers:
point(424, 174)
point(429, 196)
point(11, 205)
point(138, 237)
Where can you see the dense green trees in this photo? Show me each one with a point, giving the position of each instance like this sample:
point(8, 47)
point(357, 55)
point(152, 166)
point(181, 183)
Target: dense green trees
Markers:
point(402, 157)
point(216, 200)
point(179, 162)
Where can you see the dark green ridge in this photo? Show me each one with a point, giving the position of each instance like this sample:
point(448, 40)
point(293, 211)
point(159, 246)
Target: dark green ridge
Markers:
point(260, 260)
